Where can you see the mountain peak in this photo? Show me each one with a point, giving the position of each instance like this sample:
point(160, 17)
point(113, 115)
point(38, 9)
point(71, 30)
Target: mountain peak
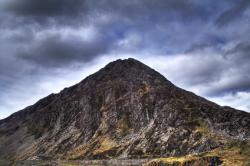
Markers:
point(127, 110)
point(125, 64)
point(127, 70)
point(128, 61)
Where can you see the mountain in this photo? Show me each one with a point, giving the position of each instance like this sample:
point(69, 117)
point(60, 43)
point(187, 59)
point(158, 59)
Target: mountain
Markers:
point(125, 110)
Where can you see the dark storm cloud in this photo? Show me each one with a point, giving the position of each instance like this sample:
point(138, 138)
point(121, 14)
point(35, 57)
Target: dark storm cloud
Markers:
point(140, 9)
point(54, 51)
point(219, 71)
point(77, 12)
point(233, 12)
point(239, 56)
point(123, 18)
point(45, 8)
point(43, 13)
point(241, 49)
point(240, 84)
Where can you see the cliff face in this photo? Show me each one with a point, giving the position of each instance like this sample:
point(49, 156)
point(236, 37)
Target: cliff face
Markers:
point(125, 110)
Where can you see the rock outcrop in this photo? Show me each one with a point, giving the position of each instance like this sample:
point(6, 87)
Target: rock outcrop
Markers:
point(125, 110)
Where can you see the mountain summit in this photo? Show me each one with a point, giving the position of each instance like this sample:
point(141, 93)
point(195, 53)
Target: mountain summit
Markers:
point(125, 110)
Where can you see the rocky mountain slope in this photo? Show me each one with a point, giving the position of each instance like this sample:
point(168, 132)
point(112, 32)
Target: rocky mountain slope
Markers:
point(125, 110)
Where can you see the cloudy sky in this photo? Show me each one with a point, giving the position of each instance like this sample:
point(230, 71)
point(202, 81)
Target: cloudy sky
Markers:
point(46, 45)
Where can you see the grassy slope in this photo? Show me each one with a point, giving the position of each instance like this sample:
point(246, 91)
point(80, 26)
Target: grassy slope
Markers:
point(233, 153)
point(237, 154)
